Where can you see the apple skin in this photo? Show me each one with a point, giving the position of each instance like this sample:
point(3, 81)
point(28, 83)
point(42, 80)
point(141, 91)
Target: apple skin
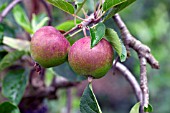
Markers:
point(87, 61)
point(49, 47)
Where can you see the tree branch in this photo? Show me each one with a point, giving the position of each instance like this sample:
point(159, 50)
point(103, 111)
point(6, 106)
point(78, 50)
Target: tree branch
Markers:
point(144, 82)
point(8, 9)
point(49, 92)
point(90, 19)
point(144, 56)
point(131, 79)
point(132, 42)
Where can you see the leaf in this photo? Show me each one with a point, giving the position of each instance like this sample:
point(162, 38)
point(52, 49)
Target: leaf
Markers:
point(97, 33)
point(17, 44)
point(10, 58)
point(113, 38)
point(22, 19)
point(89, 6)
point(63, 5)
point(67, 25)
point(38, 21)
point(3, 6)
point(124, 53)
point(7, 107)
point(14, 84)
point(149, 108)
point(135, 108)
point(1, 33)
point(111, 3)
point(65, 71)
point(118, 8)
point(88, 102)
point(80, 5)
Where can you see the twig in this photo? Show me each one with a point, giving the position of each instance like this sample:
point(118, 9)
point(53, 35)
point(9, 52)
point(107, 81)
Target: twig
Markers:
point(61, 82)
point(84, 31)
point(71, 30)
point(144, 82)
point(8, 9)
point(114, 64)
point(69, 100)
point(48, 11)
point(132, 42)
point(90, 79)
point(44, 92)
point(90, 19)
point(131, 79)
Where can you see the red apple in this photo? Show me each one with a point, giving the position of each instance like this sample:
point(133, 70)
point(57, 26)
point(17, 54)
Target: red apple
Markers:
point(87, 61)
point(49, 47)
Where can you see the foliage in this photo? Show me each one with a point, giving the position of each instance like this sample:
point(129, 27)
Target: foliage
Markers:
point(151, 27)
point(7, 107)
point(10, 58)
point(88, 103)
point(14, 85)
point(113, 38)
point(97, 33)
point(135, 108)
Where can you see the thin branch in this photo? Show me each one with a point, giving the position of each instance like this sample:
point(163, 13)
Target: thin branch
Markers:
point(43, 92)
point(144, 82)
point(48, 11)
point(61, 82)
point(114, 64)
point(90, 19)
point(8, 9)
point(131, 79)
point(132, 42)
point(144, 56)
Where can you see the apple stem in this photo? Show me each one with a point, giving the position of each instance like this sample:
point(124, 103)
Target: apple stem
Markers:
point(37, 68)
point(90, 79)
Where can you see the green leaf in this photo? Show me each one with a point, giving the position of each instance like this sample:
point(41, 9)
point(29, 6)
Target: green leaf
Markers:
point(38, 21)
point(118, 8)
point(80, 5)
point(135, 108)
point(124, 53)
point(1, 33)
point(88, 102)
point(10, 58)
point(149, 108)
point(17, 44)
point(7, 107)
point(90, 5)
point(97, 33)
point(22, 19)
point(14, 85)
point(63, 5)
point(67, 25)
point(111, 3)
point(3, 6)
point(113, 38)
point(65, 71)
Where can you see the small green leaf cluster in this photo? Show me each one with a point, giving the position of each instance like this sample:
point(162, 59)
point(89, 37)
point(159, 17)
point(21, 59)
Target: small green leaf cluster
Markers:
point(22, 19)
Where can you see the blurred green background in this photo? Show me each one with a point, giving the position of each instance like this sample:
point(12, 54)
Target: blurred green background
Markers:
point(148, 21)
